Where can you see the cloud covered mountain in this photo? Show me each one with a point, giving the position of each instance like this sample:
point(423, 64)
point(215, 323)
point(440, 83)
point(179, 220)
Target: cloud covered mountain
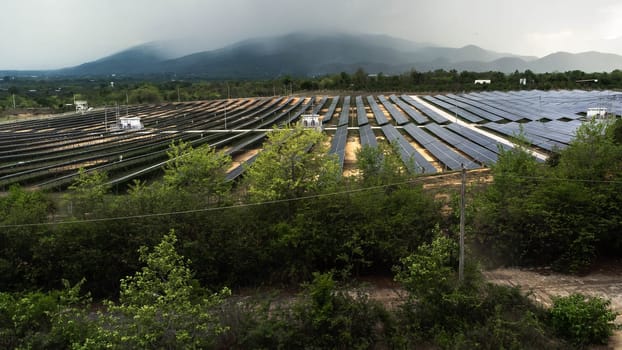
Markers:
point(301, 54)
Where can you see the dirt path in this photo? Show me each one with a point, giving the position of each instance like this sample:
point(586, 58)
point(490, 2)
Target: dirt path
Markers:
point(605, 282)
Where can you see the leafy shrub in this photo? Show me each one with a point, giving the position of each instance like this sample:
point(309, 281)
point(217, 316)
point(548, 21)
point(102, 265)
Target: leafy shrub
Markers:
point(38, 320)
point(322, 317)
point(583, 320)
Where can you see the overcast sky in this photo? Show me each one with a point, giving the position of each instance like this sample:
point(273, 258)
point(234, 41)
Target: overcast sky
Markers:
point(44, 34)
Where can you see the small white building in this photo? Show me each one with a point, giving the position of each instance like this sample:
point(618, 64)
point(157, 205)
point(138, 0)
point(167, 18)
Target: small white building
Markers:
point(130, 123)
point(482, 81)
point(522, 81)
point(81, 106)
point(597, 112)
point(312, 121)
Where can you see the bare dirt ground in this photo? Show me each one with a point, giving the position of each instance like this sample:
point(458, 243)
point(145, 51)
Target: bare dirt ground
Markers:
point(605, 281)
point(542, 284)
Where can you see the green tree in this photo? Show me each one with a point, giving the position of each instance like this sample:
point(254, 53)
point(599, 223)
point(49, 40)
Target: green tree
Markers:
point(160, 306)
point(87, 192)
point(293, 163)
point(147, 93)
point(201, 171)
point(379, 165)
point(17, 242)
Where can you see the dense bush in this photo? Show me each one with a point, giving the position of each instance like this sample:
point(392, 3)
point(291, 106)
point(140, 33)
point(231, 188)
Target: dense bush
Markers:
point(322, 316)
point(583, 320)
point(563, 213)
point(445, 312)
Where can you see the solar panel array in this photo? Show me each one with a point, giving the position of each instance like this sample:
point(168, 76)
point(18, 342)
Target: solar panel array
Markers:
point(452, 106)
point(412, 113)
point(439, 132)
point(447, 156)
point(412, 159)
point(481, 154)
point(432, 114)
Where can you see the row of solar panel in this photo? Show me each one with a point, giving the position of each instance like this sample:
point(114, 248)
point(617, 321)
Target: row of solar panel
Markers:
point(413, 160)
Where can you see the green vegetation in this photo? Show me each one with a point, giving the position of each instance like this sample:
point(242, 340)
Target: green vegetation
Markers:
point(564, 214)
point(48, 94)
point(294, 221)
point(583, 320)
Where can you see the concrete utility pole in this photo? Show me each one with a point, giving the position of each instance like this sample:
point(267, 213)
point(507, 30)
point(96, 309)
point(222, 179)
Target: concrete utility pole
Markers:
point(462, 205)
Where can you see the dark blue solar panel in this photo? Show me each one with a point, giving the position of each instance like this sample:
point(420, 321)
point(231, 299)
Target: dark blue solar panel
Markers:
point(367, 136)
point(479, 153)
point(361, 113)
point(412, 113)
point(413, 160)
point(338, 145)
point(439, 150)
point(478, 138)
point(396, 114)
point(452, 108)
point(331, 110)
point(345, 112)
point(381, 119)
point(432, 114)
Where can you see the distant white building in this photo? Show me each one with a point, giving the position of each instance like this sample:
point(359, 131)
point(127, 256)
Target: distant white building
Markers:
point(312, 121)
point(597, 112)
point(81, 106)
point(130, 123)
point(522, 81)
point(482, 81)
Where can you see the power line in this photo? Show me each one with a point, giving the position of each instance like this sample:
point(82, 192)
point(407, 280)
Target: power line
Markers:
point(237, 206)
point(421, 180)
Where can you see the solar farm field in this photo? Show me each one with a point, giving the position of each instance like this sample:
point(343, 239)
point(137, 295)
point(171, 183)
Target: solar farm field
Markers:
point(432, 133)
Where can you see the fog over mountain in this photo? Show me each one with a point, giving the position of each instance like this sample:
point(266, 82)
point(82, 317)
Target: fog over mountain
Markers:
point(303, 54)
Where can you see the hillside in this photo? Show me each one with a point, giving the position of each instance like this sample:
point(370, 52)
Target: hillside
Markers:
point(311, 55)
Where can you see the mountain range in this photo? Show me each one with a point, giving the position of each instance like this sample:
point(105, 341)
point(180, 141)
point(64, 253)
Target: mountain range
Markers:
point(301, 54)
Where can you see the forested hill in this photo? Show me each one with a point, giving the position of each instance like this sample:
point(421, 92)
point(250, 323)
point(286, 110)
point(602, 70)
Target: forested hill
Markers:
point(306, 55)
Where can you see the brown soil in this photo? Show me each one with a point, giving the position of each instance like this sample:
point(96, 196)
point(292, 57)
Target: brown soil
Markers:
point(605, 281)
point(542, 284)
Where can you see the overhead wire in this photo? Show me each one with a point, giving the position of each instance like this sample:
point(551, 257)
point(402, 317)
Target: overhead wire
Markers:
point(418, 180)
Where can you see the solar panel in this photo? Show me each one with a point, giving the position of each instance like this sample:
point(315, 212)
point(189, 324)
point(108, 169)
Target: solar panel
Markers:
point(239, 170)
point(473, 150)
point(432, 114)
point(452, 108)
point(361, 114)
point(331, 110)
point(338, 144)
point(413, 160)
point(440, 151)
point(367, 136)
point(412, 113)
point(318, 107)
point(396, 114)
point(477, 137)
point(381, 119)
point(345, 112)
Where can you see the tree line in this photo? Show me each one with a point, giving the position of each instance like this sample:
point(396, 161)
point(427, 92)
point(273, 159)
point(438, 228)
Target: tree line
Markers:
point(294, 219)
point(57, 94)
